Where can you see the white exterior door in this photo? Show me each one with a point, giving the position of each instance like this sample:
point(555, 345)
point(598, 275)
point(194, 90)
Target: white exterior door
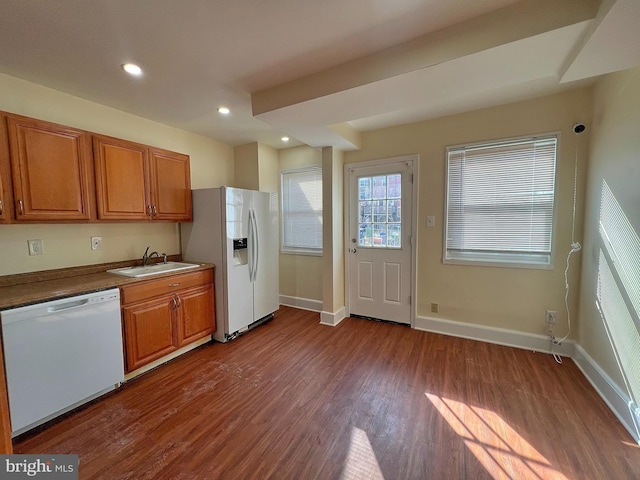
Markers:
point(379, 249)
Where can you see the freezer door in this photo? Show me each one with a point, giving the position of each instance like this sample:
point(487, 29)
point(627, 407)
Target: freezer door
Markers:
point(239, 288)
point(266, 285)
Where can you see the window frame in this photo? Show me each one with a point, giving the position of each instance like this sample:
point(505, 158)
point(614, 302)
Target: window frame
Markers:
point(292, 249)
point(502, 259)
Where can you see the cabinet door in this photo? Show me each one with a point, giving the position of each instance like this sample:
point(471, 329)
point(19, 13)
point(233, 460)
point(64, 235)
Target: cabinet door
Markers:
point(6, 197)
point(149, 331)
point(196, 314)
point(170, 185)
point(51, 167)
point(6, 446)
point(122, 179)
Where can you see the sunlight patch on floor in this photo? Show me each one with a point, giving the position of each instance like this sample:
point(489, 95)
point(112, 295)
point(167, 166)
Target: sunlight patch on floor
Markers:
point(361, 461)
point(502, 452)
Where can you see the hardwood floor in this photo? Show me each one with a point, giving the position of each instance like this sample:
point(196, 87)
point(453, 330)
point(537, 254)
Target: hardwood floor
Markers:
point(293, 399)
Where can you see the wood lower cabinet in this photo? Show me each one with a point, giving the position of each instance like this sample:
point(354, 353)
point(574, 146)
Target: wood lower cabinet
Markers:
point(163, 315)
point(52, 171)
point(6, 447)
point(149, 331)
point(196, 308)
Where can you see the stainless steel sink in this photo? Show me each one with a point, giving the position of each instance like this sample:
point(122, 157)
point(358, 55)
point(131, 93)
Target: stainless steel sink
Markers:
point(152, 269)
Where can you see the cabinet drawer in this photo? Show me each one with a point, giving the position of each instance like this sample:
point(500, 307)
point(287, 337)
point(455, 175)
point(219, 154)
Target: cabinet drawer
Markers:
point(162, 286)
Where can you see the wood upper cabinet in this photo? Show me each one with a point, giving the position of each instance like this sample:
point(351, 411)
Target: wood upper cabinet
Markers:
point(122, 179)
point(165, 314)
point(170, 185)
point(6, 193)
point(136, 182)
point(51, 169)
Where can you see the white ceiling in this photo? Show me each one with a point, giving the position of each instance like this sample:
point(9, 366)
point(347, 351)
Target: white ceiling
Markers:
point(302, 66)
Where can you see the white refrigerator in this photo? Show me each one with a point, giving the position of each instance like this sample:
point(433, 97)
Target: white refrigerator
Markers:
point(237, 230)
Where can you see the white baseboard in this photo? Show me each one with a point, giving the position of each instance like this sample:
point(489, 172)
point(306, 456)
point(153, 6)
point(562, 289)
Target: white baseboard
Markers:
point(302, 303)
point(616, 398)
point(500, 336)
point(333, 319)
point(166, 358)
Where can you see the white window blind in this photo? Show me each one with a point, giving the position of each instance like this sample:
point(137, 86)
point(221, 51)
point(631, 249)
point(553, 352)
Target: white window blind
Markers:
point(500, 201)
point(302, 210)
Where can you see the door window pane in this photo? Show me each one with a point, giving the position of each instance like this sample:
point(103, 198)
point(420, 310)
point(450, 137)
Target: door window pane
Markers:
point(364, 188)
point(379, 211)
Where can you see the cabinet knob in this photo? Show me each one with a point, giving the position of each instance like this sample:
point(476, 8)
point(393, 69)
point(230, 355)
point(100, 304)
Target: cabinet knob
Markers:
point(20, 207)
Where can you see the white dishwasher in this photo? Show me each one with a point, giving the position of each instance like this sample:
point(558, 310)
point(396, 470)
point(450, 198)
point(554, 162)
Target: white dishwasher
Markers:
point(60, 354)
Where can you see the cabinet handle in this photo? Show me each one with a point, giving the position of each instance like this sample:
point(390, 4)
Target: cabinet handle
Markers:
point(1, 207)
point(174, 284)
point(175, 304)
point(179, 301)
point(149, 211)
point(155, 211)
point(21, 207)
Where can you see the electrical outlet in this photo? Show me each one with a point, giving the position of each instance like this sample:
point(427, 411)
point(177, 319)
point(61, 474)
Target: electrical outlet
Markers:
point(96, 243)
point(431, 221)
point(551, 317)
point(434, 308)
point(35, 247)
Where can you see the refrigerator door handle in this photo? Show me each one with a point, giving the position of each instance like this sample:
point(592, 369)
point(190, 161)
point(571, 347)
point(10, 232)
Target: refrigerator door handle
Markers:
point(256, 256)
point(251, 241)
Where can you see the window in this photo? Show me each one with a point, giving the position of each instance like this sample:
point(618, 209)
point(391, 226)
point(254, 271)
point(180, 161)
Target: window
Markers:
point(379, 208)
point(302, 210)
point(500, 202)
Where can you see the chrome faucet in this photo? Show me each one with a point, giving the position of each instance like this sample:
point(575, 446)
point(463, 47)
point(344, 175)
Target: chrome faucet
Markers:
point(148, 256)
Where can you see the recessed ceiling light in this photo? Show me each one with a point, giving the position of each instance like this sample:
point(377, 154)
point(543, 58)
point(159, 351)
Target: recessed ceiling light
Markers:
point(132, 69)
point(223, 110)
point(285, 139)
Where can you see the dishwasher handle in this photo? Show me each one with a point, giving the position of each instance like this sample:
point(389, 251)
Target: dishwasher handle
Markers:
point(67, 306)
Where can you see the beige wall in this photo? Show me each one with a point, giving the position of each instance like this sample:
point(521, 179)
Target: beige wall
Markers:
point(614, 165)
point(333, 230)
point(256, 167)
point(300, 275)
point(69, 245)
point(509, 298)
point(245, 166)
point(268, 168)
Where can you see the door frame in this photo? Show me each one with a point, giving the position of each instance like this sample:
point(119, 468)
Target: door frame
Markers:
point(414, 161)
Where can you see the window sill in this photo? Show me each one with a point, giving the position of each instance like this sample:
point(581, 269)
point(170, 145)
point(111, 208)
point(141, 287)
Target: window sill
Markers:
point(310, 253)
point(504, 261)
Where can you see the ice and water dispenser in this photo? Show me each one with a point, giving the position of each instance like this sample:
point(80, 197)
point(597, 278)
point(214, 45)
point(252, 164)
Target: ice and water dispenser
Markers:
point(240, 256)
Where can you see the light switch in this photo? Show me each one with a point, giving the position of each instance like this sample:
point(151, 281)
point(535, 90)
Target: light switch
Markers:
point(431, 221)
point(35, 247)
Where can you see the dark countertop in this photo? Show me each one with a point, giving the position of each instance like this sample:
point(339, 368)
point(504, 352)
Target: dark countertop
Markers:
point(75, 283)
